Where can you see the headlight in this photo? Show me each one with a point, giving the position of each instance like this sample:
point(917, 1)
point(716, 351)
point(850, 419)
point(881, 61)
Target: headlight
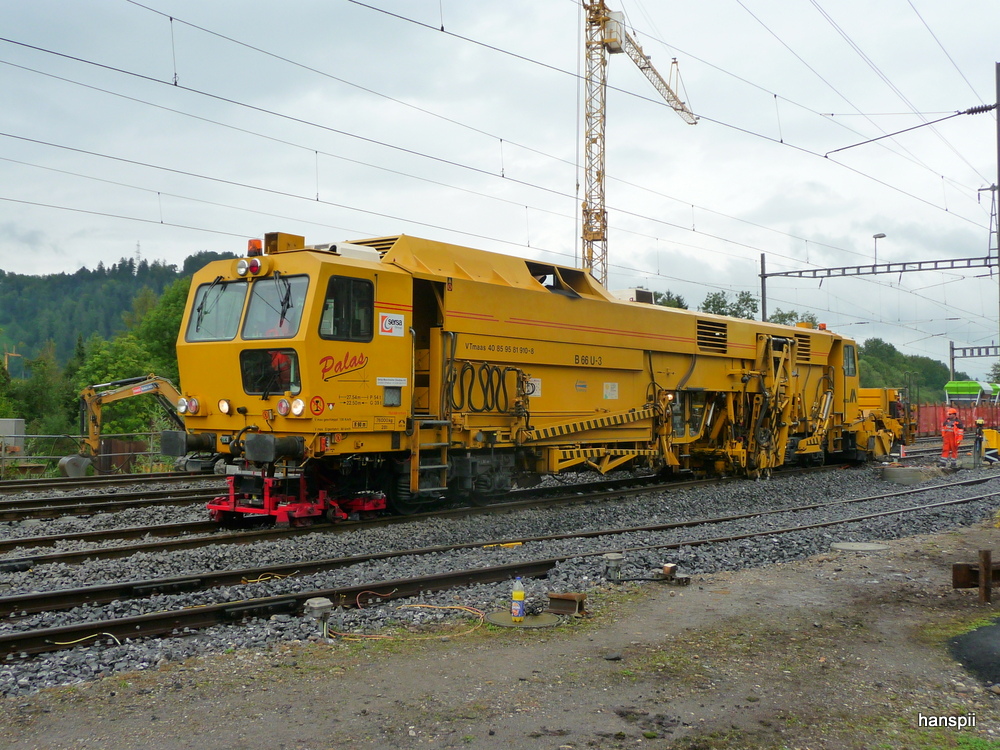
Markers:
point(251, 266)
point(182, 405)
point(193, 406)
point(224, 406)
point(284, 407)
point(298, 406)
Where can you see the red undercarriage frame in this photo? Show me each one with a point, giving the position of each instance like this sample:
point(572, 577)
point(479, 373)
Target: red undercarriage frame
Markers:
point(293, 509)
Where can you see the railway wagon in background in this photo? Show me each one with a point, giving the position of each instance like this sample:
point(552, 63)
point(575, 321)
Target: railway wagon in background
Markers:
point(339, 379)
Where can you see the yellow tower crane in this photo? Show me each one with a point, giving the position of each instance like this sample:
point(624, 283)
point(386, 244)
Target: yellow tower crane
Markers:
point(606, 34)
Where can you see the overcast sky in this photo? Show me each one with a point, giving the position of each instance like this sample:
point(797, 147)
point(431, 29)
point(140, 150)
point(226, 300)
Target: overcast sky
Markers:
point(167, 127)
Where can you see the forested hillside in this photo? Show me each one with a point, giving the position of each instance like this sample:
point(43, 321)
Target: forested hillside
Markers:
point(60, 308)
point(884, 366)
point(74, 330)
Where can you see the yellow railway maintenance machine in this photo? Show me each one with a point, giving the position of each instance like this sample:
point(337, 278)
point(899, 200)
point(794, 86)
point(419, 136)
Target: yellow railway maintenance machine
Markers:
point(335, 376)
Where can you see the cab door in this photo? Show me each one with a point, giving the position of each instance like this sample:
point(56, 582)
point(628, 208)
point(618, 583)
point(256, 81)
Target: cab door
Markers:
point(363, 363)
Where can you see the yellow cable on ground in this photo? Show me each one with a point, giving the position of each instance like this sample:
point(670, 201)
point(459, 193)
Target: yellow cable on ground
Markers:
point(269, 577)
point(87, 638)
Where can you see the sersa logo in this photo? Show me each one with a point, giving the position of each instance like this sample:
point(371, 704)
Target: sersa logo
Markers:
point(390, 324)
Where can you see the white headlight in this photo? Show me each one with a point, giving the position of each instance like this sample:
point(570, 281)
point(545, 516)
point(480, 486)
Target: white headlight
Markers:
point(298, 406)
point(182, 405)
point(224, 406)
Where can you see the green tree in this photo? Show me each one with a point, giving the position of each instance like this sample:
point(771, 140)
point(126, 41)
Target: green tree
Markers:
point(744, 306)
point(76, 361)
point(199, 260)
point(6, 402)
point(107, 361)
point(669, 299)
point(159, 327)
point(884, 366)
point(44, 399)
point(791, 317)
point(142, 303)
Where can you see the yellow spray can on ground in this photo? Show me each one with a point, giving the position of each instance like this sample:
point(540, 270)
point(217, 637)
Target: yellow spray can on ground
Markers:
point(517, 601)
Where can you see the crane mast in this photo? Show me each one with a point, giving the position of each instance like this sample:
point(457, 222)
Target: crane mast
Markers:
point(606, 34)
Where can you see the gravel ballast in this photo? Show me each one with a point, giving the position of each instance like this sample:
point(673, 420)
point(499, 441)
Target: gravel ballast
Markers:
point(582, 569)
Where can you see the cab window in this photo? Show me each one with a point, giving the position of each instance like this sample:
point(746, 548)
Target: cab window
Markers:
point(215, 315)
point(266, 372)
point(850, 363)
point(348, 310)
point(275, 308)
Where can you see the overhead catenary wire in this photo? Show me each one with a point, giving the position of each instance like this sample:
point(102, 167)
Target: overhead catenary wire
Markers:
point(490, 196)
point(657, 102)
point(464, 38)
point(521, 203)
point(428, 156)
point(895, 89)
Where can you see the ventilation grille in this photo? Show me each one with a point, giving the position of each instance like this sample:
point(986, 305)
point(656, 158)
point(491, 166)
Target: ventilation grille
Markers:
point(803, 352)
point(713, 336)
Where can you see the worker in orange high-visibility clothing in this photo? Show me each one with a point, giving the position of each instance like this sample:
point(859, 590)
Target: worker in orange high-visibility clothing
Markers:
point(952, 432)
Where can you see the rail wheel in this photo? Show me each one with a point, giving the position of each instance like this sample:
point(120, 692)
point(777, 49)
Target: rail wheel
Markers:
point(479, 499)
point(400, 499)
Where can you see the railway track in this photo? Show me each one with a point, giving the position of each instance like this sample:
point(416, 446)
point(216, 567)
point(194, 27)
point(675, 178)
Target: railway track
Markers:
point(59, 506)
point(204, 533)
point(168, 621)
point(8, 486)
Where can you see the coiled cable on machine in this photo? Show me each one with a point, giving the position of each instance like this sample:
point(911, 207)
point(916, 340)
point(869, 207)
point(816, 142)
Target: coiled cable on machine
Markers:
point(480, 388)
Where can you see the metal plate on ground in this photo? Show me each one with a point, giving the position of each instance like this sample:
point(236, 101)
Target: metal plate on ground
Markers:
point(544, 620)
point(910, 474)
point(859, 547)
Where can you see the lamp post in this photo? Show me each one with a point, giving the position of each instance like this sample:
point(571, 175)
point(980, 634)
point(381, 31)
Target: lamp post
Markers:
point(877, 237)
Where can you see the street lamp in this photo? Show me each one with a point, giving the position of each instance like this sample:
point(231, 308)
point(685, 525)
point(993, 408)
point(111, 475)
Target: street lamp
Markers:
point(877, 237)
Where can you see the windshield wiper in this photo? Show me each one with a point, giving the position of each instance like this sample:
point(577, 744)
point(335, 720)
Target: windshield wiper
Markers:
point(286, 297)
point(201, 307)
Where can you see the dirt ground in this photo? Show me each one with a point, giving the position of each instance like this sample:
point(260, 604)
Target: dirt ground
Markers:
point(843, 650)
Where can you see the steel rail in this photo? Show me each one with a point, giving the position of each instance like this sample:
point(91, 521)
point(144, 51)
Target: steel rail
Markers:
point(103, 535)
point(51, 483)
point(248, 537)
point(182, 621)
point(620, 488)
point(41, 507)
point(197, 618)
point(102, 594)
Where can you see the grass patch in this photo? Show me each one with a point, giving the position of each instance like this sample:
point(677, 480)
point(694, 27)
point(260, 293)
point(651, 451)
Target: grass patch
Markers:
point(950, 626)
point(976, 743)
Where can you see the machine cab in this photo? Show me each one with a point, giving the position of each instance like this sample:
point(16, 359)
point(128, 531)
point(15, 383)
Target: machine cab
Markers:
point(301, 340)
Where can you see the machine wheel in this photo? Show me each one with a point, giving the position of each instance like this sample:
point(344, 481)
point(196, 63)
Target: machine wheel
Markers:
point(480, 499)
point(400, 499)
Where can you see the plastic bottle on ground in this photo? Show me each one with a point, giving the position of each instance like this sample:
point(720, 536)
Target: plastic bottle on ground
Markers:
point(517, 601)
